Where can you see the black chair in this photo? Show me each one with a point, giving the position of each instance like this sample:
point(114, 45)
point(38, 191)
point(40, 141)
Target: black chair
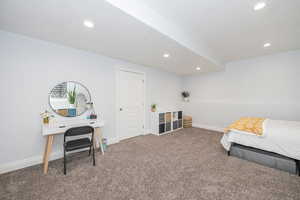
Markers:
point(86, 142)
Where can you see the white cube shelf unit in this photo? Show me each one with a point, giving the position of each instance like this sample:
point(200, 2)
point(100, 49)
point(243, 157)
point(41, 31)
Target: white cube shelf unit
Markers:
point(166, 122)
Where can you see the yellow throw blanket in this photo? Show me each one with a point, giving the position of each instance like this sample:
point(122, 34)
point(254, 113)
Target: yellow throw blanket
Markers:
point(248, 124)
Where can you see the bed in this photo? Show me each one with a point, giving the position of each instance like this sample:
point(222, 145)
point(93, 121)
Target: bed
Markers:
point(281, 137)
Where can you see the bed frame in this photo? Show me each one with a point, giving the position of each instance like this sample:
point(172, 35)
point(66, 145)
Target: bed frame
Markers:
point(266, 158)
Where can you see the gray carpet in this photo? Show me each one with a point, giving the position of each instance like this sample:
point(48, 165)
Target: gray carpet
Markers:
point(189, 164)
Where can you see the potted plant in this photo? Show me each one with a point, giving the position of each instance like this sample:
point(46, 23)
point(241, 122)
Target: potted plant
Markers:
point(185, 95)
point(72, 97)
point(46, 116)
point(153, 107)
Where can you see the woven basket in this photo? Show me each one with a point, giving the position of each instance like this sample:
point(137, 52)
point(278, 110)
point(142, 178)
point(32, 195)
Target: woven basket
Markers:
point(187, 122)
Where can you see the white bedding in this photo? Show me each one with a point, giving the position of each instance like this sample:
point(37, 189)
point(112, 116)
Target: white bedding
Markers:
point(282, 137)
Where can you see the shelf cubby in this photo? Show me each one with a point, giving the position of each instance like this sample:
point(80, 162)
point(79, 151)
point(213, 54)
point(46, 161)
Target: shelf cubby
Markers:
point(165, 122)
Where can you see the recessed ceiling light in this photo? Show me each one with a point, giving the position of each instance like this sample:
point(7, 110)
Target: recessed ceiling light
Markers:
point(198, 68)
point(259, 5)
point(166, 55)
point(267, 44)
point(89, 24)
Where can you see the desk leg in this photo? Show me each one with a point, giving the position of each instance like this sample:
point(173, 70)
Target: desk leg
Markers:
point(98, 136)
point(47, 153)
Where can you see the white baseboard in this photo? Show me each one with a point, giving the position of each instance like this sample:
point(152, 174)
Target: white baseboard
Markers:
point(35, 160)
point(208, 127)
point(112, 141)
point(27, 162)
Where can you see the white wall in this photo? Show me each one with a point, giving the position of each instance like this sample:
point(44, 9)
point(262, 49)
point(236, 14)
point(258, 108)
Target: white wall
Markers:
point(30, 68)
point(264, 87)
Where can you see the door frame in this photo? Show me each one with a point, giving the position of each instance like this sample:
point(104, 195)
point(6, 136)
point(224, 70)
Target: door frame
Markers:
point(117, 99)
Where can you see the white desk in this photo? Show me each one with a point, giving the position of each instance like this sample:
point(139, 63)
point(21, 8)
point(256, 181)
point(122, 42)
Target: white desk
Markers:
point(59, 127)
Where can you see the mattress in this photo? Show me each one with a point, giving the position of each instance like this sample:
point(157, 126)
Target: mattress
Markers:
point(282, 137)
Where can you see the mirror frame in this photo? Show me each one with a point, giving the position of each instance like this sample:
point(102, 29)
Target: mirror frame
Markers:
point(76, 82)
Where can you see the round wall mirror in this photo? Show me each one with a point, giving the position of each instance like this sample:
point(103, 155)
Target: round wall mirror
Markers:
point(70, 99)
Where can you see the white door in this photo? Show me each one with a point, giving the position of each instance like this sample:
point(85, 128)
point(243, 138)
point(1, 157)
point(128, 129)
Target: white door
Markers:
point(131, 102)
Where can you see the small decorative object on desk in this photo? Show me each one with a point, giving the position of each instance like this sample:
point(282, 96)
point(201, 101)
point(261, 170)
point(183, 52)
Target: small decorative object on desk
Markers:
point(185, 95)
point(46, 116)
point(92, 114)
point(153, 107)
point(72, 112)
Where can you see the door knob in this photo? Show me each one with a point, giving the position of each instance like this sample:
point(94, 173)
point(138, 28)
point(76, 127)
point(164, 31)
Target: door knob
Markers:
point(121, 109)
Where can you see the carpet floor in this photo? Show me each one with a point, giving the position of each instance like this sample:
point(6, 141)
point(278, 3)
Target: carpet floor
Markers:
point(189, 164)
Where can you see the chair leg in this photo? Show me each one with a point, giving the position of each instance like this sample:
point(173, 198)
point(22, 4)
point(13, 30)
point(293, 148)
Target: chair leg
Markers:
point(65, 163)
point(94, 163)
point(90, 150)
point(298, 167)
